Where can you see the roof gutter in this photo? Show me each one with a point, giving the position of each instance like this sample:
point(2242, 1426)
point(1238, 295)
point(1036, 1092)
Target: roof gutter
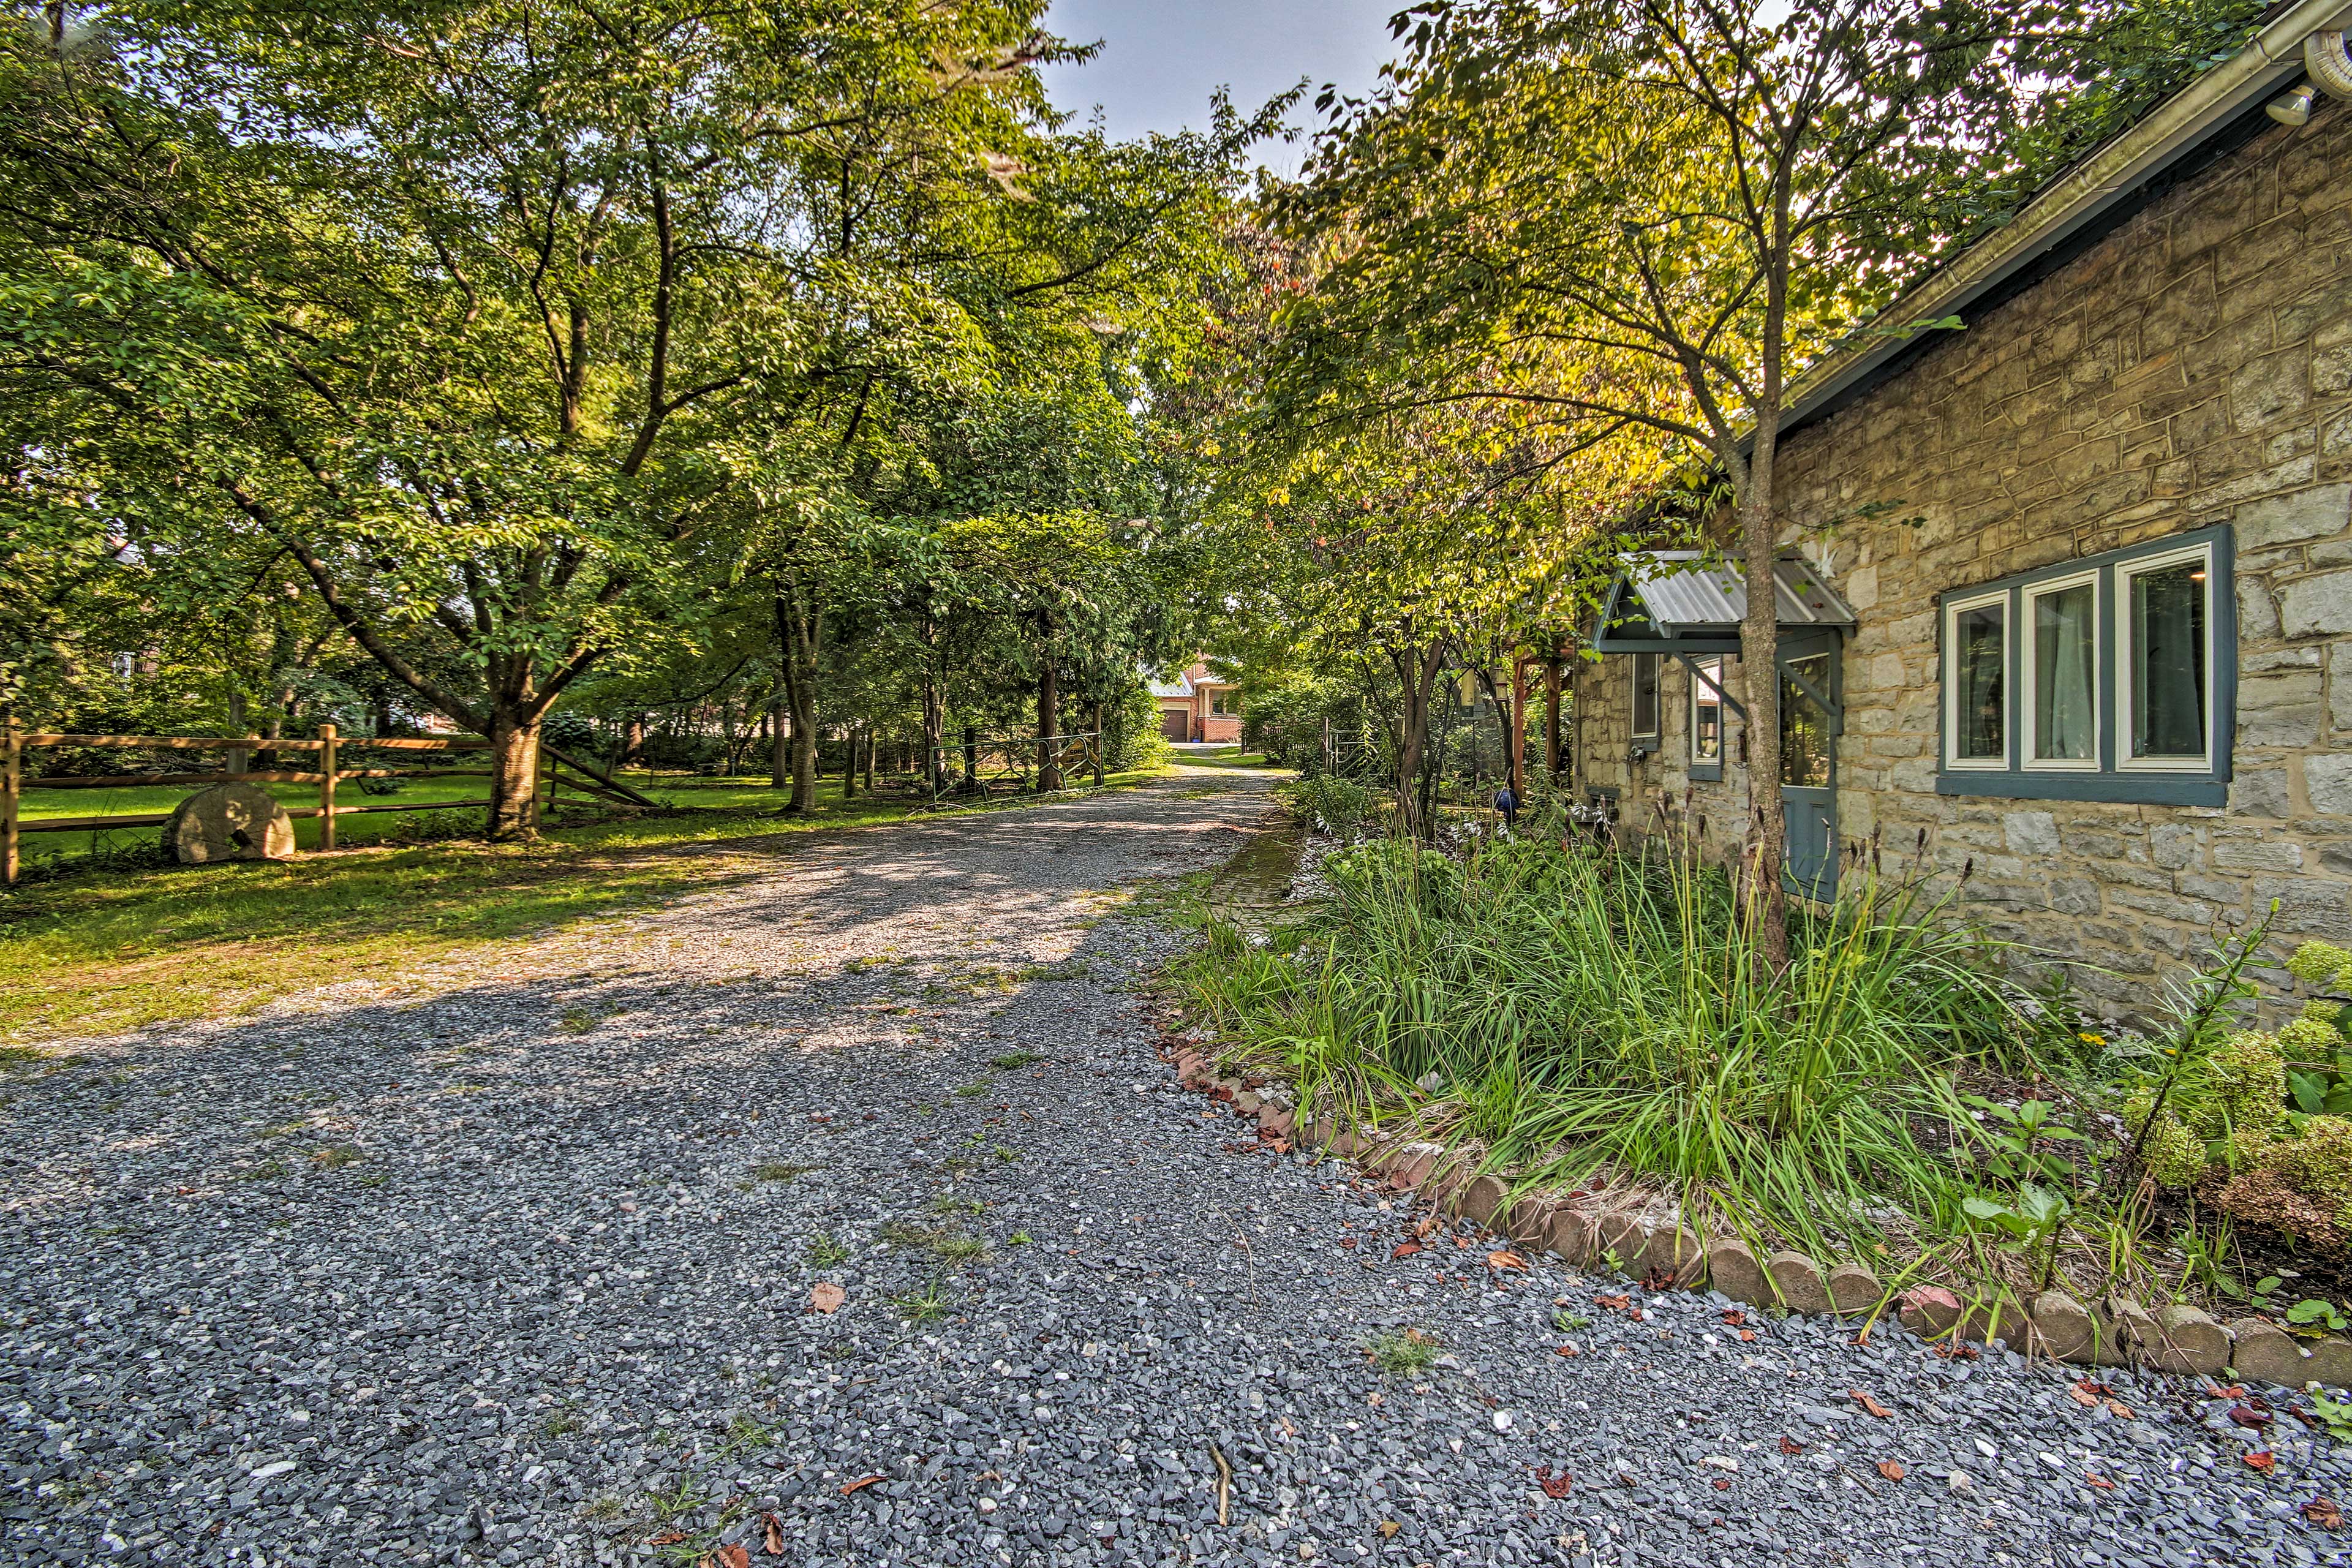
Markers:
point(2079, 198)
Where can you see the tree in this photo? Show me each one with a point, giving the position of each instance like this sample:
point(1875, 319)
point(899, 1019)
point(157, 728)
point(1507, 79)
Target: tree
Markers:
point(458, 309)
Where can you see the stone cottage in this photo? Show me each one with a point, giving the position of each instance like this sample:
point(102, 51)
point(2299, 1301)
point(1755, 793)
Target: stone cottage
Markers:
point(2070, 589)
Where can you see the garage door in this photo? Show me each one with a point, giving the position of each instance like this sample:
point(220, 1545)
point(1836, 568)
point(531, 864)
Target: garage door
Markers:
point(1176, 724)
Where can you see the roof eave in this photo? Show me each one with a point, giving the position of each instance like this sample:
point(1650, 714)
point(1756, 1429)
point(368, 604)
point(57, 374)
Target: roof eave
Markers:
point(2076, 200)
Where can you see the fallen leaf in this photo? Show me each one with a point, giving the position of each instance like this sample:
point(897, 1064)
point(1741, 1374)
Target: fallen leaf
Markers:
point(1348, 1242)
point(1569, 1351)
point(2120, 1410)
point(2247, 1415)
point(1721, 1485)
point(1554, 1487)
point(858, 1485)
point(2261, 1461)
point(1405, 1250)
point(1890, 1469)
point(1791, 1446)
point(2087, 1401)
point(1505, 1260)
point(826, 1296)
point(736, 1556)
point(2323, 1512)
point(667, 1538)
point(1747, 1336)
point(1389, 1527)
point(2099, 1481)
point(1373, 1399)
point(1428, 1224)
point(1613, 1303)
point(1867, 1403)
point(775, 1535)
point(1734, 1315)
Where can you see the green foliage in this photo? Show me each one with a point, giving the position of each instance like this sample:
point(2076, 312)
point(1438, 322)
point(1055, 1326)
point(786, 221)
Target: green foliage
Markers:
point(2322, 964)
point(1575, 1010)
point(2318, 1162)
point(1338, 806)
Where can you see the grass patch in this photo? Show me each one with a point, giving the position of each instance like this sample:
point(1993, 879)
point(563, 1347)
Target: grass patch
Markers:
point(970, 1090)
point(1401, 1351)
point(780, 1171)
point(335, 1156)
point(1011, 1061)
point(97, 952)
point(824, 1252)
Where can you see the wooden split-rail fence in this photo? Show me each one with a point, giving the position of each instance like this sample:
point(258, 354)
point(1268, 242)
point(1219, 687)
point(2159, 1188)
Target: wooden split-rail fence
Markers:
point(329, 772)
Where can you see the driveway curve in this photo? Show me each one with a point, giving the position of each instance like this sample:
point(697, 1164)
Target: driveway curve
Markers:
point(846, 1216)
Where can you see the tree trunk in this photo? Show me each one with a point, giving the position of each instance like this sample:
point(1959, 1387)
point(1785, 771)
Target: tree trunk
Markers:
point(1049, 772)
point(514, 776)
point(800, 630)
point(1760, 667)
point(849, 764)
point(1418, 671)
point(935, 738)
point(633, 741)
point(869, 759)
point(1552, 715)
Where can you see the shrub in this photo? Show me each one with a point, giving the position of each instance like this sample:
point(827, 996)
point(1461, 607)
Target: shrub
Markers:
point(2243, 1088)
point(2322, 964)
point(1328, 805)
point(2318, 1163)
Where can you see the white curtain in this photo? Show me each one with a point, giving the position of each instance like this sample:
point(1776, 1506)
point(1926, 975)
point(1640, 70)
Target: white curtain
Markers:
point(2065, 720)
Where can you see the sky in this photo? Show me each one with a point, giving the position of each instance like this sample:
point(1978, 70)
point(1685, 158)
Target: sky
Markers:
point(1161, 58)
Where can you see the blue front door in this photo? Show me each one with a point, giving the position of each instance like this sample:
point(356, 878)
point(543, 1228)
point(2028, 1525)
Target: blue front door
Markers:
point(1811, 714)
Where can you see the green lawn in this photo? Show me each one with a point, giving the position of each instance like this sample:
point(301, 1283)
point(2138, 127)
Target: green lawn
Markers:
point(1227, 757)
point(98, 951)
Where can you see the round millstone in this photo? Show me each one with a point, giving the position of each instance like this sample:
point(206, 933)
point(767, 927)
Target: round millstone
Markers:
point(229, 822)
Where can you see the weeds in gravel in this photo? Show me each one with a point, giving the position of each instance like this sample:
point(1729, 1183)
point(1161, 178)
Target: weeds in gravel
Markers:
point(1567, 1322)
point(958, 1248)
point(1400, 1352)
point(904, 1233)
point(603, 1510)
point(335, 1156)
point(780, 1171)
point(969, 1090)
point(562, 1421)
point(743, 1435)
point(927, 1305)
point(18, 1056)
point(684, 1499)
point(1018, 1238)
point(1006, 1156)
point(947, 1203)
point(823, 1252)
point(1013, 1060)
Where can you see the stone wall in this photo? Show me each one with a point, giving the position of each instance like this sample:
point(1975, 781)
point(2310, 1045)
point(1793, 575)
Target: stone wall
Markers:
point(2193, 368)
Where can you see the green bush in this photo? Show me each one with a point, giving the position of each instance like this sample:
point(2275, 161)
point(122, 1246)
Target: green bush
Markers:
point(1338, 806)
point(2318, 1163)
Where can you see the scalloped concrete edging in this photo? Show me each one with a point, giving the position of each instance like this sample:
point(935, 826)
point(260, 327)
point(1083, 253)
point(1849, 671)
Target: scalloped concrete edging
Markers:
point(2116, 1331)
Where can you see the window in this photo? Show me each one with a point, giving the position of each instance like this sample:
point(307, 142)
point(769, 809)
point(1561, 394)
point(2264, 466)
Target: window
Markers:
point(1805, 744)
point(1706, 718)
point(1976, 695)
point(2107, 679)
point(1225, 702)
point(2167, 660)
point(1645, 695)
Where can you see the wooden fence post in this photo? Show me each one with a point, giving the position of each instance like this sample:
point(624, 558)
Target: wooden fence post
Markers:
point(12, 771)
point(327, 765)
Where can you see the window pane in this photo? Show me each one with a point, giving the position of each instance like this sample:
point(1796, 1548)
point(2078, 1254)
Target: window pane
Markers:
point(1706, 712)
point(2064, 668)
point(1646, 694)
point(1805, 726)
point(2168, 673)
point(1980, 697)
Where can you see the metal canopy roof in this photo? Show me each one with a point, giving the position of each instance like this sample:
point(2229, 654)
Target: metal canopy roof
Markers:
point(1664, 602)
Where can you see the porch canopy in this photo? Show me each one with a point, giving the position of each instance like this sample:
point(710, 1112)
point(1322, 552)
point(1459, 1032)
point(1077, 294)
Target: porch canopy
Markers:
point(1666, 601)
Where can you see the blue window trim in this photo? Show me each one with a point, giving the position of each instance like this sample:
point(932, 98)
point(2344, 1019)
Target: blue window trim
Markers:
point(2187, 786)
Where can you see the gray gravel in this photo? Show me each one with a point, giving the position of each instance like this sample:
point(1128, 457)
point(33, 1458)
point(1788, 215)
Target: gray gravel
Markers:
point(558, 1308)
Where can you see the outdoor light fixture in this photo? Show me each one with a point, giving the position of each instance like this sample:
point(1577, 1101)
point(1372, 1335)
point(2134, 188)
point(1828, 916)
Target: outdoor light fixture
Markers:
point(2292, 107)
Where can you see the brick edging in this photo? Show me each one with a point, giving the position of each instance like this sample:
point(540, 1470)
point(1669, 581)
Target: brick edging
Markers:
point(2115, 1332)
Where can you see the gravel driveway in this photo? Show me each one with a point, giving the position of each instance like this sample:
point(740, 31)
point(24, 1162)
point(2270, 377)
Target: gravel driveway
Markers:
point(524, 1270)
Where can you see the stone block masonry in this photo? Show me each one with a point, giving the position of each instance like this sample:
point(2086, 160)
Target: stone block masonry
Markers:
point(2192, 368)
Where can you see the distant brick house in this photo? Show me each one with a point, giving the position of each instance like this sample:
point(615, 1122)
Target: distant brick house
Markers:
point(2098, 646)
point(1196, 706)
